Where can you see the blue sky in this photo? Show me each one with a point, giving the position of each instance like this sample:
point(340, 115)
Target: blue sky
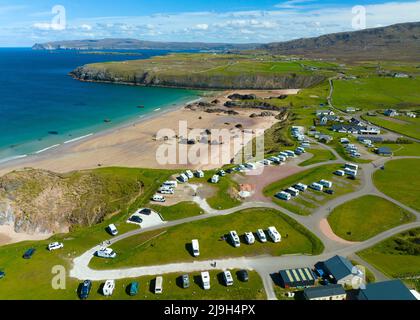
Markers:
point(23, 23)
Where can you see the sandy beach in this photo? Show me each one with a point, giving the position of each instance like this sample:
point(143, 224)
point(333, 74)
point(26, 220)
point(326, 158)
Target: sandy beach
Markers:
point(8, 235)
point(134, 145)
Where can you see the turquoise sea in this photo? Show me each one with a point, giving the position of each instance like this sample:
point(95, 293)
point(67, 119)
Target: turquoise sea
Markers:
point(41, 106)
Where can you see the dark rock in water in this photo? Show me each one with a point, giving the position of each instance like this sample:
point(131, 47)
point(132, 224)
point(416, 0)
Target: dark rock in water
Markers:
point(53, 132)
point(107, 120)
point(140, 107)
point(237, 96)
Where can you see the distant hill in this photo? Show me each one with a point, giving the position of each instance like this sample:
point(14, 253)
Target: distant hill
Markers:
point(395, 42)
point(134, 44)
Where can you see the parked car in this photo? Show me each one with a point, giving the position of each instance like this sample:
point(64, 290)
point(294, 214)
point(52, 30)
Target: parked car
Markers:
point(243, 275)
point(29, 253)
point(146, 211)
point(185, 281)
point(85, 290)
point(135, 219)
point(112, 229)
point(134, 288)
point(55, 246)
point(261, 235)
point(329, 191)
point(227, 277)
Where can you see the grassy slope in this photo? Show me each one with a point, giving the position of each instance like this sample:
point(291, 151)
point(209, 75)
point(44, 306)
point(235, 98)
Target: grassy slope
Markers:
point(178, 211)
point(401, 181)
point(147, 248)
point(411, 149)
point(409, 127)
point(319, 155)
point(299, 205)
point(365, 217)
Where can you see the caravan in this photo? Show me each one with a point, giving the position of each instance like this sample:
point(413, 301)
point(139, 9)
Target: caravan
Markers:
point(158, 285)
point(292, 191)
point(274, 234)
point(283, 196)
point(290, 153)
point(170, 184)
point(112, 229)
point(325, 183)
point(215, 179)
point(234, 239)
point(195, 247)
point(106, 253)
point(199, 174)
point(205, 279)
point(183, 178)
point(351, 166)
point(250, 166)
point(158, 198)
point(108, 288)
point(189, 174)
point(300, 186)
point(166, 190)
point(317, 186)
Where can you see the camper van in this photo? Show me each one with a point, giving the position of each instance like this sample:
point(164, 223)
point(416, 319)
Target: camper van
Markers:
point(326, 183)
point(300, 186)
point(290, 153)
point(274, 234)
point(170, 184)
point(108, 288)
point(195, 248)
point(199, 174)
point(250, 166)
point(183, 178)
point(282, 158)
point(339, 173)
point(227, 277)
point(189, 174)
point(317, 186)
point(249, 237)
point(274, 159)
point(112, 229)
point(283, 196)
point(351, 166)
point(350, 172)
point(106, 253)
point(166, 190)
point(235, 239)
point(284, 154)
point(221, 173)
point(158, 285)
point(266, 162)
point(205, 279)
point(158, 198)
point(215, 179)
point(294, 192)
point(261, 235)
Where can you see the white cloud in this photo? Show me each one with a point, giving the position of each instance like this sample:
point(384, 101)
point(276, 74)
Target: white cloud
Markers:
point(201, 26)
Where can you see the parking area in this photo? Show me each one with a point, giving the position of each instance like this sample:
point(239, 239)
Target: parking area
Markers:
point(147, 220)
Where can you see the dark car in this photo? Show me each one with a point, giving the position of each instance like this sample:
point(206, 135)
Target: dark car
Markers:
point(229, 170)
point(329, 191)
point(134, 288)
point(185, 281)
point(29, 253)
point(136, 219)
point(243, 275)
point(146, 211)
point(2, 274)
point(85, 290)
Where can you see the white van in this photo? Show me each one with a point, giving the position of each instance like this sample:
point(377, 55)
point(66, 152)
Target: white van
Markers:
point(158, 285)
point(108, 288)
point(326, 183)
point(158, 198)
point(339, 173)
point(235, 239)
point(166, 190)
point(300, 186)
point(170, 184)
point(183, 178)
point(199, 174)
point(215, 179)
point(189, 174)
point(290, 153)
point(351, 166)
point(261, 235)
point(249, 237)
point(316, 186)
point(282, 158)
point(106, 253)
point(112, 229)
point(250, 166)
point(227, 276)
point(205, 279)
point(195, 248)
point(283, 196)
point(294, 192)
point(274, 234)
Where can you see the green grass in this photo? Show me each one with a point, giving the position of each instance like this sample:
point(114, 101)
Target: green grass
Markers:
point(314, 199)
point(365, 217)
point(408, 126)
point(400, 180)
point(411, 149)
point(319, 155)
point(398, 256)
point(171, 244)
point(178, 211)
point(376, 93)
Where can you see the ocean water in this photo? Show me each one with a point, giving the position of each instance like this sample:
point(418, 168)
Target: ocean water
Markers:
point(41, 106)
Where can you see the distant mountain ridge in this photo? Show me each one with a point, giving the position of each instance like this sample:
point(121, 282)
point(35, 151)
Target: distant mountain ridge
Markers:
point(398, 42)
point(134, 44)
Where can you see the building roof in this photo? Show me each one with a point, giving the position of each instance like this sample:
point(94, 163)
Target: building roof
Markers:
point(290, 276)
point(339, 267)
point(386, 290)
point(384, 150)
point(324, 291)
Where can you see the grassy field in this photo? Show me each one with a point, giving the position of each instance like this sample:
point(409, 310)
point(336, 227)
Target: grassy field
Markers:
point(377, 93)
point(150, 248)
point(411, 149)
point(178, 211)
point(403, 125)
point(309, 200)
point(398, 256)
point(319, 155)
point(401, 181)
point(365, 217)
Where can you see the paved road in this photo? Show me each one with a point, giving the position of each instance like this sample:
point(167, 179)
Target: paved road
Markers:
point(264, 265)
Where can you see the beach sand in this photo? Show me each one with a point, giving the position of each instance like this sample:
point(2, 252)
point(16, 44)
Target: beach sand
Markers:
point(8, 235)
point(134, 145)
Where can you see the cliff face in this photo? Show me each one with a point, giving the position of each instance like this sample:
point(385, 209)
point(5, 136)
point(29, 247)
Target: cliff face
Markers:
point(198, 80)
point(37, 201)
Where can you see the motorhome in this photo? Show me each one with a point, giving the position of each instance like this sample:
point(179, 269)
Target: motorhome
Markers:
point(215, 179)
point(261, 235)
point(166, 190)
point(266, 162)
point(325, 183)
point(274, 234)
point(284, 154)
point(282, 158)
point(170, 184)
point(351, 166)
point(195, 247)
point(227, 277)
point(339, 173)
point(158, 198)
point(108, 288)
point(300, 186)
point(112, 229)
point(283, 196)
point(274, 159)
point(350, 172)
point(294, 192)
point(249, 237)
point(107, 253)
point(290, 153)
point(199, 174)
point(158, 285)
point(250, 166)
point(221, 173)
point(183, 178)
point(234, 239)
point(189, 174)
point(316, 186)
point(205, 280)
